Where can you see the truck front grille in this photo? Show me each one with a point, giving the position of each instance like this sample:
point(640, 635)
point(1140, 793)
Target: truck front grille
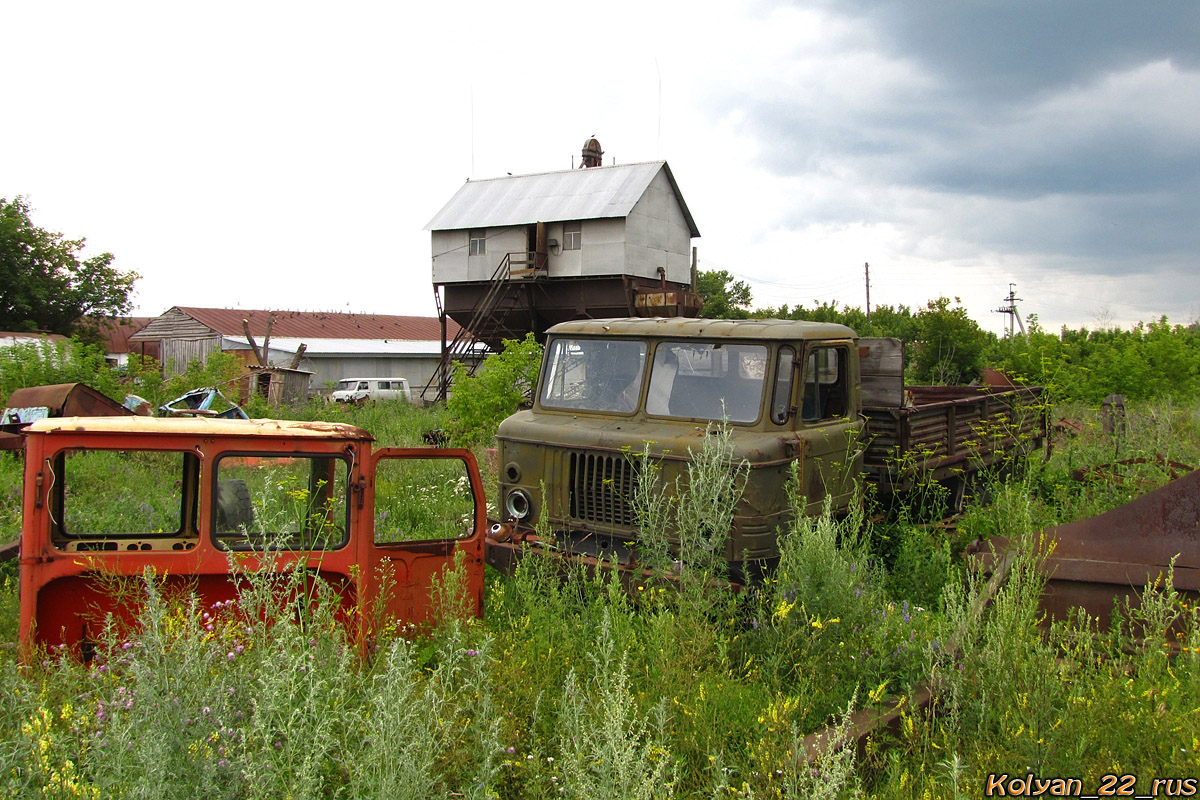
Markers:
point(602, 488)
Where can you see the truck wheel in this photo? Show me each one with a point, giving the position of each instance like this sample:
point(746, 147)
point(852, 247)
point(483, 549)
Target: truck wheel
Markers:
point(235, 512)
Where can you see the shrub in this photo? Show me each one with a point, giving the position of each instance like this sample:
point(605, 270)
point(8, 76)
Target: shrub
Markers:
point(479, 402)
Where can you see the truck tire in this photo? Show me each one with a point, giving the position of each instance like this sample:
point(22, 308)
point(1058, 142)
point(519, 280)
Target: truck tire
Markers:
point(235, 512)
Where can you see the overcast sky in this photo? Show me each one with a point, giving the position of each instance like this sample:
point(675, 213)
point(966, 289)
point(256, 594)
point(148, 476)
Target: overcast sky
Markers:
point(288, 155)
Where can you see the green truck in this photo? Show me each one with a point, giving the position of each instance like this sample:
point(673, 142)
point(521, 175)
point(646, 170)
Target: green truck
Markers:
point(807, 397)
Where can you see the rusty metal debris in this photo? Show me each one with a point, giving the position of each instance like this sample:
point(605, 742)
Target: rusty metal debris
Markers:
point(59, 400)
point(1068, 427)
point(1099, 560)
point(53, 400)
point(1109, 473)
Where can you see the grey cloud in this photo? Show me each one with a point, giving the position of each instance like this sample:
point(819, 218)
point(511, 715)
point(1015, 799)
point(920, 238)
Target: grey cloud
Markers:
point(1007, 50)
point(1014, 112)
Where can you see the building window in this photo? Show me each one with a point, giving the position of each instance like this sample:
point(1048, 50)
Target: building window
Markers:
point(572, 235)
point(478, 243)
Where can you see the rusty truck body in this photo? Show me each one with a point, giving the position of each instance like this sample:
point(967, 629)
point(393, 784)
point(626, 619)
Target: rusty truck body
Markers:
point(796, 396)
point(198, 503)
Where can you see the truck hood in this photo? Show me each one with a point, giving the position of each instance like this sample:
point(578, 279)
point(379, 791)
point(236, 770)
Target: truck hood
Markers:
point(581, 431)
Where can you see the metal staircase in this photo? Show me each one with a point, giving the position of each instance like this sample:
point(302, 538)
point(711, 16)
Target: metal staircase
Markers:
point(488, 322)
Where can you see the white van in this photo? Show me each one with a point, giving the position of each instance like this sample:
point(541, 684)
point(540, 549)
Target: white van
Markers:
point(355, 390)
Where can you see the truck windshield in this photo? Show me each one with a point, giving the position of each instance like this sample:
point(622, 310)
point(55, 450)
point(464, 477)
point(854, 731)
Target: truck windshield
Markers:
point(711, 381)
point(594, 374)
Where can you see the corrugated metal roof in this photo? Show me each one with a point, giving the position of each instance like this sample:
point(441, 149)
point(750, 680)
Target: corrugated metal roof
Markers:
point(116, 332)
point(309, 325)
point(346, 347)
point(595, 193)
point(9, 338)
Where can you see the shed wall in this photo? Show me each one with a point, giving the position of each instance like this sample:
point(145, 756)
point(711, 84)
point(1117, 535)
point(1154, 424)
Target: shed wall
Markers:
point(657, 235)
point(176, 353)
point(452, 262)
point(418, 369)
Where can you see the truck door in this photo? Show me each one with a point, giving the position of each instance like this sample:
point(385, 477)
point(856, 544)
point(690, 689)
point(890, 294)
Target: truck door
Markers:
point(828, 423)
point(423, 506)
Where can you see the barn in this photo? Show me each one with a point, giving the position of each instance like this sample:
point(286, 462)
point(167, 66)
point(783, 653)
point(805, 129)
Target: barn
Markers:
point(337, 344)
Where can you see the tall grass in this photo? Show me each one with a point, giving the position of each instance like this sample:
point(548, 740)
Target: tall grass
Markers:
point(570, 686)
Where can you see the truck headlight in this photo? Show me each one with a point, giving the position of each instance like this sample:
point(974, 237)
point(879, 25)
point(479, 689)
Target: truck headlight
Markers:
point(518, 504)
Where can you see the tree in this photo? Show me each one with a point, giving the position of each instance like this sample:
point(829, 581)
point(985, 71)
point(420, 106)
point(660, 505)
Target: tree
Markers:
point(950, 345)
point(44, 286)
point(724, 298)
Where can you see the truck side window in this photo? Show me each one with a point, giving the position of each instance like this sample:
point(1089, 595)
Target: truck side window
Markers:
point(423, 499)
point(781, 399)
point(288, 502)
point(825, 395)
point(104, 499)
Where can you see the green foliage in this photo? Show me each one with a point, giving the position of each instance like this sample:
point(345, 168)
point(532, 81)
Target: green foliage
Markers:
point(50, 362)
point(724, 297)
point(921, 567)
point(949, 345)
point(73, 361)
point(220, 370)
point(689, 522)
point(45, 286)
point(477, 404)
point(896, 322)
point(11, 485)
point(1149, 361)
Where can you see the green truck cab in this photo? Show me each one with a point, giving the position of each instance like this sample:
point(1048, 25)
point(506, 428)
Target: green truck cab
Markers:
point(791, 393)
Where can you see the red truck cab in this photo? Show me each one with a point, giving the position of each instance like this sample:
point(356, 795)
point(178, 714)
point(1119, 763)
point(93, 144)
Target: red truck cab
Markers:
point(199, 502)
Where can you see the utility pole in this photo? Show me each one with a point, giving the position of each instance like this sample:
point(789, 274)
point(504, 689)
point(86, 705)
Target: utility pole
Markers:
point(1011, 311)
point(867, 270)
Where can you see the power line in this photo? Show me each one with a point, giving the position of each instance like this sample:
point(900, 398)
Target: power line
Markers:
point(1011, 311)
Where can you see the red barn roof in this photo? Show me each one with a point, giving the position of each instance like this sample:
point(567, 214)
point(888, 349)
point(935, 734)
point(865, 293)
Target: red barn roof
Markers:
point(320, 324)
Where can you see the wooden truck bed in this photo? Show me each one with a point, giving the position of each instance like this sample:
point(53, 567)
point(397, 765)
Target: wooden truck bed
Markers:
point(918, 433)
point(944, 432)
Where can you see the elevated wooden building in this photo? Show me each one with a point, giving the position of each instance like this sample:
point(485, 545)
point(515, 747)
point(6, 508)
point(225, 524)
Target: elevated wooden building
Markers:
point(520, 253)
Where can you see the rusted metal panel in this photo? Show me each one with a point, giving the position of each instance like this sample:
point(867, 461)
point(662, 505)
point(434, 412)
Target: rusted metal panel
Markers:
point(65, 576)
point(1113, 557)
point(1117, 554)
point(67, 400)
point(132, 425)
point(678, 303)
point(881, 366)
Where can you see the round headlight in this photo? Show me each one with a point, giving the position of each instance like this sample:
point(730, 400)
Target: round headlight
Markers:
point(518, 504)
